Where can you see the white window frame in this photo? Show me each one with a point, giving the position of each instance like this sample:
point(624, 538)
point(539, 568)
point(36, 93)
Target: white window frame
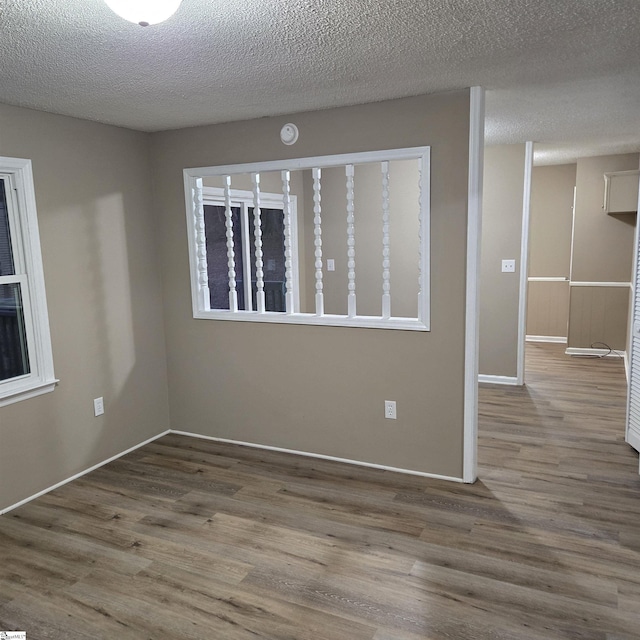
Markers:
point(244, 200)
point(17, 174)
point(193, 191)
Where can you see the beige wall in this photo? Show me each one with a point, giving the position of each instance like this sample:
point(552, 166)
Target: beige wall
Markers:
point(501, 238)
point(548, 309)
point(602, 252)
point(603, 244)
point(403, 244)
point(598, 314)
point(97, 231)
point(321, 389)
point(550, 249)
point(551, 219)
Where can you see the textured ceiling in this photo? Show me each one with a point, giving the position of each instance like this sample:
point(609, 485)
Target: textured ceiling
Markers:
point(564, 73)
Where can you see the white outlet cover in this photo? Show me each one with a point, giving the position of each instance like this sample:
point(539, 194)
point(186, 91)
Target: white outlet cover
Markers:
point(508, 266)
point(390, 409)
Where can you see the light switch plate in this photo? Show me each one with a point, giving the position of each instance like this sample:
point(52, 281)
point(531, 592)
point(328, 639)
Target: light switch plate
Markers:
point(508, 266)
point(98, 406)
point(331, 264)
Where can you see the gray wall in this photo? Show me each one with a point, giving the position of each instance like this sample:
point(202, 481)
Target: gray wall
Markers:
point(550, 249)
point(403, 244)
point(102, 275)
point(548, 309)
point(321, 389)
point(551, 218)
point(318, 389)
point(501, 238)
point(602, 252)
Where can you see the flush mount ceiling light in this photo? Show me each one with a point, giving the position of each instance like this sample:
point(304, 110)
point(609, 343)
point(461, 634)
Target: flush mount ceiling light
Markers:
point(144, 12)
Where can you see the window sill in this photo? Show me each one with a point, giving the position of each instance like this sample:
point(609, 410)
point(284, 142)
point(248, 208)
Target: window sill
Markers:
point(31, 390)
point(329, 320)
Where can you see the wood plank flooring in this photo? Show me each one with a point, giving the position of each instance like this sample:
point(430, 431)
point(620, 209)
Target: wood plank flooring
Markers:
point(191, 539)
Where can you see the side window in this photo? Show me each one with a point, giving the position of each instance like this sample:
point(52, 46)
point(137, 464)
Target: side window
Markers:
point(243, 229)
point(26, 366)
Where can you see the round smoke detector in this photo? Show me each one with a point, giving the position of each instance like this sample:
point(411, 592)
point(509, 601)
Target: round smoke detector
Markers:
point(289, 133)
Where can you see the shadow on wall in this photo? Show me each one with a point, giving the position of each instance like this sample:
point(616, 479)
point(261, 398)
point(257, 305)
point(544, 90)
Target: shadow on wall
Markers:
point(98, 331)
point(102, 279)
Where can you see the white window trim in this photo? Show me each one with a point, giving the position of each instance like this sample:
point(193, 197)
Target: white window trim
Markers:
point(244, 199)
point(41, 379)
point(193, 185)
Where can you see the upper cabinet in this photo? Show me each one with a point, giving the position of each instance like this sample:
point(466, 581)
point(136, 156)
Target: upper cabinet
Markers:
point(621, 192)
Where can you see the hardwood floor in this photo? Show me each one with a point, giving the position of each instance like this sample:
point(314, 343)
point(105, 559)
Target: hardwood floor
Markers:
point(191, 539)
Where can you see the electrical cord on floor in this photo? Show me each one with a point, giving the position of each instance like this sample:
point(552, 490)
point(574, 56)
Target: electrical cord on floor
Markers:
point(603, 345)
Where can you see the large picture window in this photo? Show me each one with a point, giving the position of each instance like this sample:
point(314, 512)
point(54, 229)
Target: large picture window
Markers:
point(26, 366)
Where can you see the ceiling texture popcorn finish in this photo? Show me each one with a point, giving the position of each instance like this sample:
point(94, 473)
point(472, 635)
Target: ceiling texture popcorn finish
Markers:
point(564, 73)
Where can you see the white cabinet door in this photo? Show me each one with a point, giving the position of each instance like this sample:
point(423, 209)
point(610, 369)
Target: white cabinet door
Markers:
point(621, 192)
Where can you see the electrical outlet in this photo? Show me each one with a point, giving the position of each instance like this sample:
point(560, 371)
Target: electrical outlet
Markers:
point(390, 409)
point(508, 266)
point(98, 406)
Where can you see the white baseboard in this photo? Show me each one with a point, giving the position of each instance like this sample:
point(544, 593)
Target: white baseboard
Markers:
point(320, 456)
point(82, 473)
point(487, 379)
point(307, 454)
point(582, 351)
point(555, 339)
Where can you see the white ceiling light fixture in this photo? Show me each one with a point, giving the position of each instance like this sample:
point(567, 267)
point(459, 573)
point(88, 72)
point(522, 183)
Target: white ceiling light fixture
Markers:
point(144, 12)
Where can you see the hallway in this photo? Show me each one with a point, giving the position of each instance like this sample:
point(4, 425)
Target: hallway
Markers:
point(568, 419)
point(553, 454)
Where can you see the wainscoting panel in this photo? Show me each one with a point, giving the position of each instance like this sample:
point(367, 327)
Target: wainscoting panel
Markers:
point(548, 308)
point(599, 314)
